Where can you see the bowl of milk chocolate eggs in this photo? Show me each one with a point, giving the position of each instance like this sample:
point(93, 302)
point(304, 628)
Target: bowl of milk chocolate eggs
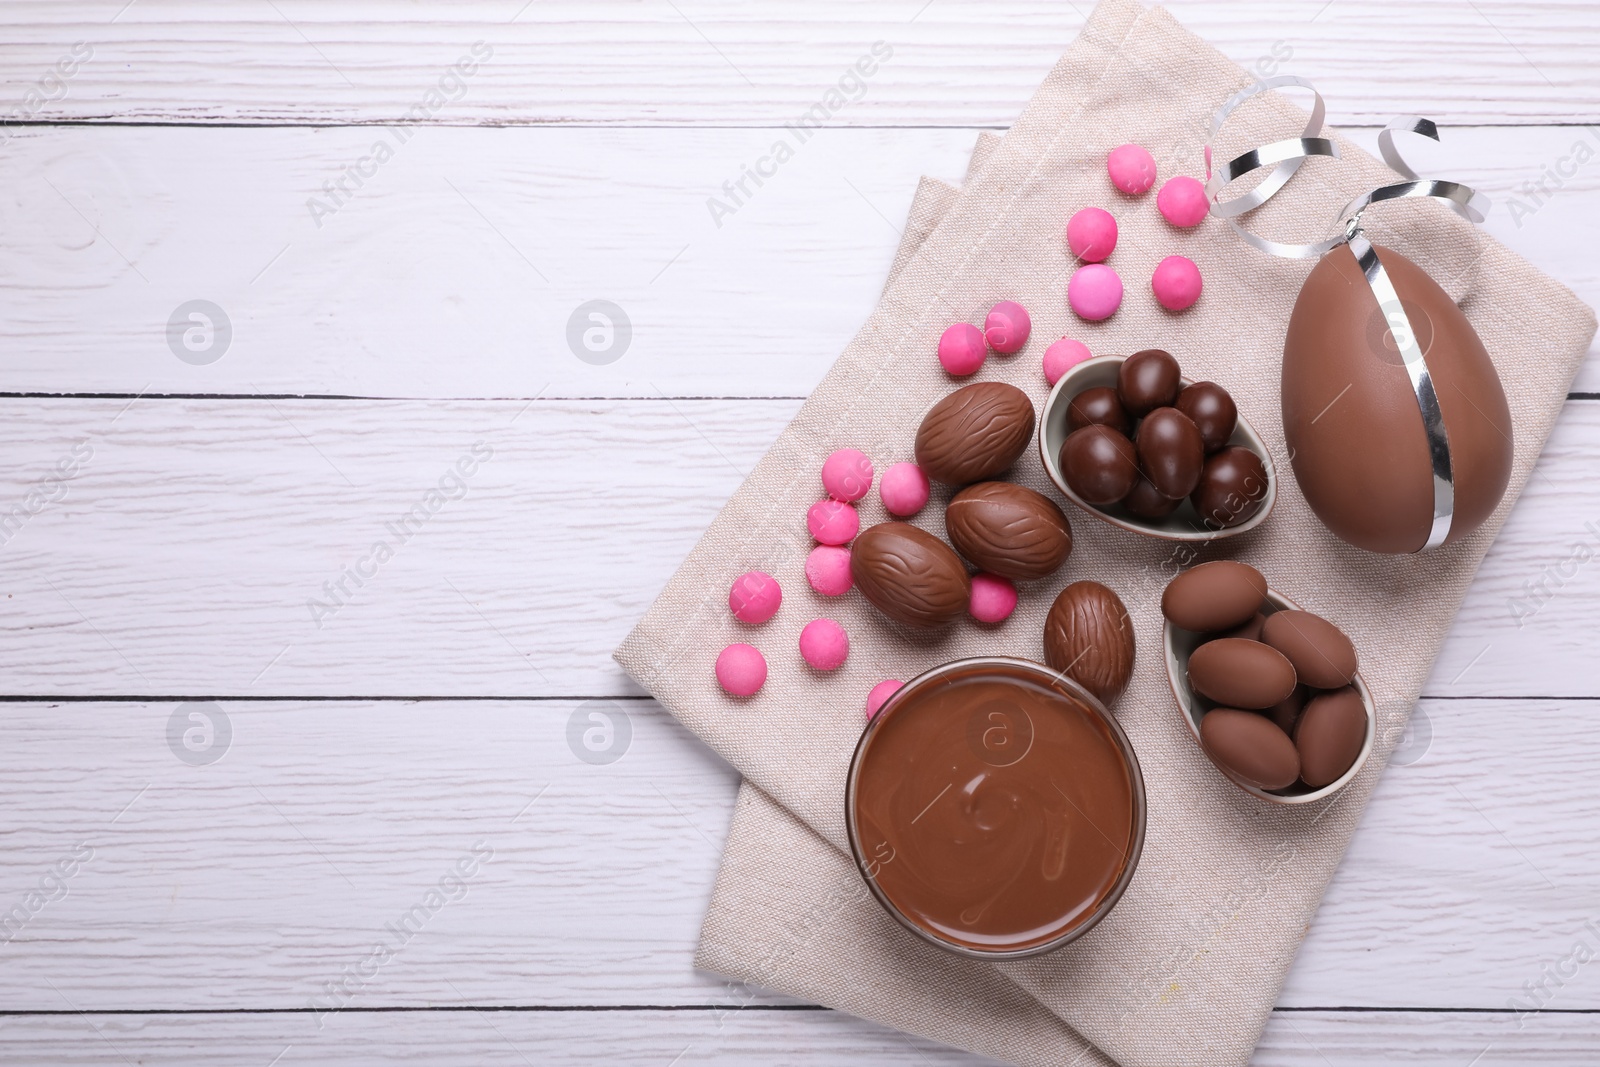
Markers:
point(1138, 445)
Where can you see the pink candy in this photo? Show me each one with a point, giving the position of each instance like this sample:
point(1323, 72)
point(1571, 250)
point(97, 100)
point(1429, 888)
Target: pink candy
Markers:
point(755, 597)
point(832, 522)
point(962, 349)
point(1176, 283)
point(828, 570)
point(904, 489)
point(1095, 292)
point(847, 474)
point(1062, 357)
point(880, 693)
point(1007, 326)
point(993, 598)
point(741, 670)
point(1182, 201)
point(1132, 169)
point(1092, 234)
point(824, 644)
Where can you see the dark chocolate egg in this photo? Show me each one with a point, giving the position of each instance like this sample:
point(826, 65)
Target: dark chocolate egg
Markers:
point(1351, 419)
point(1148, 502)
point(1098, 407)
point(1171, 452)
point(1213, 411)
point(975, 433)
point(1099, 464)
point(910, 575)
point(1232, 486)
point(1250, 747)
point(1009, 530)
point(1148, 380)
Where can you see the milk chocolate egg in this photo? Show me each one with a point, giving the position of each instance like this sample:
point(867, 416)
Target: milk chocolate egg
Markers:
point(1351, 418)
point(1214, 596)
point(1329, 736)
point(1171, 452)
point(1241, 674)
point(974, 433)
point(1251, 747)
point(1286, 712)
point(1322, 655)
point(1089, 638)
point(909, 575)
point(1009, 530)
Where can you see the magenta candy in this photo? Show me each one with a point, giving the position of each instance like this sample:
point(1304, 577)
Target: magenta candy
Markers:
point(741, 670)
point(904, 489)
point(828, 570)
point(1176, 283)
point(1132, 169)
point(832, 522)
point(847, 474)
point(882, 692)
point(1007, 326)
point(1062, 357)
point(1095, 292)
point(1182, 201)
point(755, 597)
point(824, 644)
point(993, 598)
point(1092, 234)
point(962, 349)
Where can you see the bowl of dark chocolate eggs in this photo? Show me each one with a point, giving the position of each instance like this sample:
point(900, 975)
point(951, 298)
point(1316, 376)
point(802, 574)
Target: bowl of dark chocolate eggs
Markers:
point(1138, 445)
point(1269, 691)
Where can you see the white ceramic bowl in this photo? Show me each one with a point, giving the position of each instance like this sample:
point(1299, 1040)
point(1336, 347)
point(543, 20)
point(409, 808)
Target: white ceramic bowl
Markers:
point(1178, 644)
point(1183, 524)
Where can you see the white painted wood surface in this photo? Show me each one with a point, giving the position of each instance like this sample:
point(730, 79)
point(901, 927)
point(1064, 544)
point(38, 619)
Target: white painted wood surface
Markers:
point(177, 565)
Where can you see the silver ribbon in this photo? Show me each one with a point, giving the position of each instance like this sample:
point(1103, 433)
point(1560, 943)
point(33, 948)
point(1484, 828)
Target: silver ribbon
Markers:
point(1286, 157)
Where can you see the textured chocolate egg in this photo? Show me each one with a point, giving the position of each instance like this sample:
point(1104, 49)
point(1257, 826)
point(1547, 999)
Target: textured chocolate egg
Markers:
point(1214, 596)
point(1089, 638)
point(1099, 464)
point(1213, 411)
point(910, 575)
point(1008, 530)
point(1329, 736)
point(1148, 380)
point(1322, 655)
point(1171, 452)
point(1351, 419)
point(1147, 502)
point(1232, 486)
point(975, 433)
point(1098, 407)
point(1251, 747)
point(1241, 674)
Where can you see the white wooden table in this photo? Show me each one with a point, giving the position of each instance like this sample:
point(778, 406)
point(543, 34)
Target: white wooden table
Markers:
point(189, 521)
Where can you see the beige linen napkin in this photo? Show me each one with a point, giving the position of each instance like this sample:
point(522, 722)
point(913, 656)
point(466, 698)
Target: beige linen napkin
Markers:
point(1188, 965)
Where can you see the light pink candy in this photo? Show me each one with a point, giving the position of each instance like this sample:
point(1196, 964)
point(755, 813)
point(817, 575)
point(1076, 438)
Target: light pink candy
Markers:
point(1092, 234)
point(832, 522)
point(993, 598)
point(962, 349)
point(824, 644)
point(1062, 357)
point(741, 670)
point(880, 693)
point(1007, 326)
point(1176, 283)
point(1132, 169)
point(1182, 201)
point(904, 489)
point(847, 474)
point(755, 597)
point(828, 570)
point(1095, 292)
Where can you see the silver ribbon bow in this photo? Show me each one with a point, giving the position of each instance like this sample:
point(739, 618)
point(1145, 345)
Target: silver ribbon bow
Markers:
point(1286, 157)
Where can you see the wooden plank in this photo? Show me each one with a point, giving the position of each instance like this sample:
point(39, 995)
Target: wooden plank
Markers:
point(954, 62)
point(455, 270)
point(203, 546)
point(256, 880)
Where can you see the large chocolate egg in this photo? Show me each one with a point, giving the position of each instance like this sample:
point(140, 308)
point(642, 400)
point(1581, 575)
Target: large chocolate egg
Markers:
point(1352, 421)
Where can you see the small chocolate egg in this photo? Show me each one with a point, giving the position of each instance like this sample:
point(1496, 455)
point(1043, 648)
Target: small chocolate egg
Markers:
point(1322, 655)
point(1089, 638)
point(1009, 530)
point(1329, 736)
point(1148, 380)
point(1232, 486)
point(1212, 409)
point(1286, 712)
point(910, 575)
point(1171, 453)
point(1249, 630)
point(1250, 747)
point(1098, 407)
point(1241, 674)
point(1214, 596)
point(1099, 464)
point(1148, 502)
point(975, 433)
